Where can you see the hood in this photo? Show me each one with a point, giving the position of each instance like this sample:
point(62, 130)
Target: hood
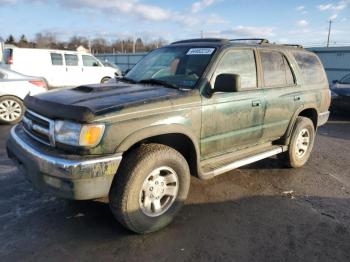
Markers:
point(84, 103)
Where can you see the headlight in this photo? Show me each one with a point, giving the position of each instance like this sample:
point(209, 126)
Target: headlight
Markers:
point(74, 134)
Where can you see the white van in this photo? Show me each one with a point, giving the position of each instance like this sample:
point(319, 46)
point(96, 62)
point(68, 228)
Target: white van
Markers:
point(59, 68)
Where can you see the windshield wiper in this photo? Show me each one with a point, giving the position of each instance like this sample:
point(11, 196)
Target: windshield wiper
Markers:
point(126, 79)
point(158, 82)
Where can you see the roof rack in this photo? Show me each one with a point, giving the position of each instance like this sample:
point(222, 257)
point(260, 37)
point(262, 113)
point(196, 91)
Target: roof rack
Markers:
point(257, 40)
point(293, 45)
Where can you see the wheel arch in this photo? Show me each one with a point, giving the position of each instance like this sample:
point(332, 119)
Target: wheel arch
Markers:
point(309, 112)
point(174, 136)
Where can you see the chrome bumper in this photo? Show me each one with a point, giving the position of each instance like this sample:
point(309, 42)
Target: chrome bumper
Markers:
point(78, 178)
point(322, 118)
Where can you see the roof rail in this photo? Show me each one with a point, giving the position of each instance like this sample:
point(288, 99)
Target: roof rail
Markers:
point(198, 40)
point(257, 40)
point(293, 45)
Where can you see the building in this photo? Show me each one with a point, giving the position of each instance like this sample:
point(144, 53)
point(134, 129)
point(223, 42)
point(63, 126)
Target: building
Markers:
point(336, 60)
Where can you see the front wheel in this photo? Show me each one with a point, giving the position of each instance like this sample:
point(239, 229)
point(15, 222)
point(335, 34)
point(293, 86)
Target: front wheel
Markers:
point(150, 188)
point(11, 110)
point(301, 143)
point(105, 80)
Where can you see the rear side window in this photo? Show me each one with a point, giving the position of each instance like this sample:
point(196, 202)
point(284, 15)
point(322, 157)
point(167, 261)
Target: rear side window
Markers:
point(276, 69)
point(71, 60)
point(310, 66)
point(90, 61)
point(56, 59)
point(240, 62)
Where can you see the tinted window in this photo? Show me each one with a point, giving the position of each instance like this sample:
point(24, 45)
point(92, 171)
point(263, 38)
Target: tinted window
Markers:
point(56, 59)
point(7, 55)
point(90, 61)
point(276, 69)
point(240, 62)
point(71, 60)
point(311, 68)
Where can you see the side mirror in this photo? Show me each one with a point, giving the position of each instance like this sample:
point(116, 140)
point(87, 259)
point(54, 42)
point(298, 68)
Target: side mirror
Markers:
point(95, 64)
point(227, 83)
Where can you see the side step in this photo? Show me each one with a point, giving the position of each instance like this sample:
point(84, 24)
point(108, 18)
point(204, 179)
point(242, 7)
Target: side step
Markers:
point(274, 150)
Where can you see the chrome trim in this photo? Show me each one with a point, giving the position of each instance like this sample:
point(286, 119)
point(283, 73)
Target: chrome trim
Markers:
point(36, 138)
point(51, 131)
point(249, 160)
point(60, 162)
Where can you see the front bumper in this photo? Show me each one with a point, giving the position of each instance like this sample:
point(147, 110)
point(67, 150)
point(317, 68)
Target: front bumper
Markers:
point(74, 177)
point(322, 118)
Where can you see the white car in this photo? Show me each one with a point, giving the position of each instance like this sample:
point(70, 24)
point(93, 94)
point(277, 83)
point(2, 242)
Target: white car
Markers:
point(13, 89)
point(60, 68)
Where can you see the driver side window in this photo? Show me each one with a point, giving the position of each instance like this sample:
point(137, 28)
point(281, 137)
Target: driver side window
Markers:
point(239, 62)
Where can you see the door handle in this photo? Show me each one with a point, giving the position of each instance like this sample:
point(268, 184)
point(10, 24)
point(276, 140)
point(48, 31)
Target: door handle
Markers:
point(297, 98)
point(256, 103)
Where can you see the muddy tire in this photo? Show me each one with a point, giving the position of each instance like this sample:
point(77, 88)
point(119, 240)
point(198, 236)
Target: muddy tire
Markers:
point(11, 110)
point(301, 143)
point(150, 188)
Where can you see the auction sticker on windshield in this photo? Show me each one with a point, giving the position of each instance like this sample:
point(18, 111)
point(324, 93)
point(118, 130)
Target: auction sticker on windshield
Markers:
point(200, 51)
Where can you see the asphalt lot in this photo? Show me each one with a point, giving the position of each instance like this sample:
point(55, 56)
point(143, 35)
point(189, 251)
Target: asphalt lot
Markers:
point(244, 215)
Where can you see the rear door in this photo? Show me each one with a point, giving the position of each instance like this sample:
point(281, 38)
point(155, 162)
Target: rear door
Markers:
point(231, 121)
point(282, 94)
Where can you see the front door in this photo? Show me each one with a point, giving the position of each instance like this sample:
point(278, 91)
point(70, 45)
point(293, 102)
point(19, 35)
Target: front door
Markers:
point(231, 121)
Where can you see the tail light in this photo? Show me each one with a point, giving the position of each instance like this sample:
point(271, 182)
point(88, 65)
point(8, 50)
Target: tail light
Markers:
point(39, 83)
point(10, 60)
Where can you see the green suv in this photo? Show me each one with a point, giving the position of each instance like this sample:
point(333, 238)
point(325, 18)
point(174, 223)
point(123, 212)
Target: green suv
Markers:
point(198, 107)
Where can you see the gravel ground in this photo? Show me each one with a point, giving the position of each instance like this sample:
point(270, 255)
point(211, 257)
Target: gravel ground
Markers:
point(261, 212)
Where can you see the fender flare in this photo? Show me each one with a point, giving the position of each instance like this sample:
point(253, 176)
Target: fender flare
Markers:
point(158, 130)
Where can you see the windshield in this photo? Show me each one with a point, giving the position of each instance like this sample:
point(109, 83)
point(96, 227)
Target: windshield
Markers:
point(178, 66)
point(345, 80)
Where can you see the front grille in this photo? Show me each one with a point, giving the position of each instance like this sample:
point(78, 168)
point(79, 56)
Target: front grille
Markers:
point(39, 128)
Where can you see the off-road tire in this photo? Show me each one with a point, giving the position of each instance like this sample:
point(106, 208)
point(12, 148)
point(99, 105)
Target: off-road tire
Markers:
point(290, 158)
point(126, 187)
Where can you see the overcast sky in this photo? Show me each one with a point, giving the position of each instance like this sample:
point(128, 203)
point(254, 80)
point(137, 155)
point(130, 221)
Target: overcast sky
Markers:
point(302, 22)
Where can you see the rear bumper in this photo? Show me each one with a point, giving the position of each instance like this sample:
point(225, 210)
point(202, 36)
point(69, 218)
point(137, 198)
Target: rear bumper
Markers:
point(65, 176)
point(322, 118)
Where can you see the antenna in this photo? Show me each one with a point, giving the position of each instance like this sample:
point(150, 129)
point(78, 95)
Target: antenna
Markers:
point(329, 32)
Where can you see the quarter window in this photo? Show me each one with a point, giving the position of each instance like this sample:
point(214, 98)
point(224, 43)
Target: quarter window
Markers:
point(71, 60)
point(90, 61)
point(240, 62)
point(56, 59)
point(276, 69)
point(310, 66)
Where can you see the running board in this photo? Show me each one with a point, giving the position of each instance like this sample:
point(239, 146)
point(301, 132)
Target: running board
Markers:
point(246, 161)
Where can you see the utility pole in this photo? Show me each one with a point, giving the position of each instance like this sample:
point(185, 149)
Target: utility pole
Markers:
point(329, 32)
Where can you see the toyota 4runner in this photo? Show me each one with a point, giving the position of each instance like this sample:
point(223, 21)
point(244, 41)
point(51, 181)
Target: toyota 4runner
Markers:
point(197, 107)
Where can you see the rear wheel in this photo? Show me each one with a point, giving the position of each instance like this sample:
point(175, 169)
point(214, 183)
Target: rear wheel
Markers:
point(301, 143)
point(11, 110)
point(150, 188)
